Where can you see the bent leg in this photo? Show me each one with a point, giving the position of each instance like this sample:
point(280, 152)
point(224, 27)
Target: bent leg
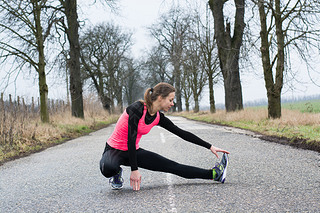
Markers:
point(111, 161)
point(155, 162)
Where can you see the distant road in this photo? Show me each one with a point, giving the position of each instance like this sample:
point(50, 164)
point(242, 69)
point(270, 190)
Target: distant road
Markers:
point(262, 177)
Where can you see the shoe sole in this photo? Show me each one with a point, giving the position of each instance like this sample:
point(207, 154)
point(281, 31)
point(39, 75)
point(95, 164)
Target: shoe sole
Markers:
point(224, 174)
point(116, 187)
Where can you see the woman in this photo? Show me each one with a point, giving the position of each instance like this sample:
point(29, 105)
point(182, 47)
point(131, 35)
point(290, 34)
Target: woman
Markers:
point(122, 148)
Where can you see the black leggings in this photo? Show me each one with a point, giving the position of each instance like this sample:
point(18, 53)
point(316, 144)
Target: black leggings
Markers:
point(113, 158)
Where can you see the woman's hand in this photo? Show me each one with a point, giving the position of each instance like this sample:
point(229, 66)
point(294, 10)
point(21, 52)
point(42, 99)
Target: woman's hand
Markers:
point(135, 180)
point(215, 151)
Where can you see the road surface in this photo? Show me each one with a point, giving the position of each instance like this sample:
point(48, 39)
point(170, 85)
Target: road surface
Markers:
point(262, 176)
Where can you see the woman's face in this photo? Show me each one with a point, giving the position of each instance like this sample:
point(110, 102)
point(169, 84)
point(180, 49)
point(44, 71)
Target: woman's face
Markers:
point(167, 102)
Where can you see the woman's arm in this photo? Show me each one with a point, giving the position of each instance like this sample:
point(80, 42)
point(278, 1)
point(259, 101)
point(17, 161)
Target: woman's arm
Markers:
point(188, 136)
point(135, 112)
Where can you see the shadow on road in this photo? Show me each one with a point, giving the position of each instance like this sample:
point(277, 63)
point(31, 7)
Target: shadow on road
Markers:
point(176, 187)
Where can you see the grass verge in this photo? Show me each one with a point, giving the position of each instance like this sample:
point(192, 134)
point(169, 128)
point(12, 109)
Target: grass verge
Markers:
point(47, 135)
point(294, 128)
point(22, 133)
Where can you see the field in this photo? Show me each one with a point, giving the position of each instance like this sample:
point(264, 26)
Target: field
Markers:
point(312, 106)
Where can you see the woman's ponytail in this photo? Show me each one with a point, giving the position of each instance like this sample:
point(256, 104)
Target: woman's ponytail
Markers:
point(147, 97)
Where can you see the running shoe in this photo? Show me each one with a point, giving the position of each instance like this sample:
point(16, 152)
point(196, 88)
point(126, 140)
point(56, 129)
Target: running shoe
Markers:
point(221, 169)
point(117, 181)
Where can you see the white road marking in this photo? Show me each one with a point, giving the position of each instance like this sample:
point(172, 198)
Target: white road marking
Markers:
point(170, 187)
point(162, 138)
point(171, 194)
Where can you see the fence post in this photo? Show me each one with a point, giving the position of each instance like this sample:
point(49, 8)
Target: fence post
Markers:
point(63, 107)
point(24, 107)
point(58, 106)
point(52, 106)
point(10, 103)
point(32, 105)
point(1, 102)
point(18, 103)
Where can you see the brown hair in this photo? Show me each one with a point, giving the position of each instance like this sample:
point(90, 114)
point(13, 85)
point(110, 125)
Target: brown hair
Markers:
point(161, 89)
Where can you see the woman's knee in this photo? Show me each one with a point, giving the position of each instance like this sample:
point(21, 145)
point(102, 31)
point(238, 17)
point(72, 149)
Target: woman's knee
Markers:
point(107, 168)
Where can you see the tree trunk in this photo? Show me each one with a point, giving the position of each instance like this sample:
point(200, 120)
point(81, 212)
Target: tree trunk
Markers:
point(105, 102)
point(43, 87)
point(211, 96)
point(177, 78)
point(229, 50)
point(187, 105)
point(119, 103)
point(273, 89)
point(274, 105)
point(232, 84)
point(75, 76)
point(196, 104)
point(275, 111)
point(67, 80)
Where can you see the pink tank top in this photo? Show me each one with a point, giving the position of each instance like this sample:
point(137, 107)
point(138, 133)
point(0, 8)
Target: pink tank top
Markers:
point(119, 137)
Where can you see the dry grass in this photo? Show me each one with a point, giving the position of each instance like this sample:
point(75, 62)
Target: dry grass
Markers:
point(292, 124)
point(289, 117)
point(22, 132)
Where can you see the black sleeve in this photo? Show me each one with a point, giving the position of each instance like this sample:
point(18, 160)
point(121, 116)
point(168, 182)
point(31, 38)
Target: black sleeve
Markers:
point(135, 112)
point(188, 136)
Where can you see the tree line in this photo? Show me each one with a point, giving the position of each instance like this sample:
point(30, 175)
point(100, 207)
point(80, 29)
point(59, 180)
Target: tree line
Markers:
point(191, 50)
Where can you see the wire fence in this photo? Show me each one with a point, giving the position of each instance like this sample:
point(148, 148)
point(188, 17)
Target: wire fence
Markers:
point(32, 108)
point(15, 115)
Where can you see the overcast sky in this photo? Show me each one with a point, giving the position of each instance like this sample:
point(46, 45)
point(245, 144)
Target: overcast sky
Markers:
point(137, 15)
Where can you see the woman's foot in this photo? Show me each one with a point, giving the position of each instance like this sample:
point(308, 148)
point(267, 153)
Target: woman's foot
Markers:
point(221, 169)
point(117, 181)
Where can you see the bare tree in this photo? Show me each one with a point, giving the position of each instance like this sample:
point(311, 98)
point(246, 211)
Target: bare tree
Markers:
point(195, 76)
point(25, 27)
point(92, 55)
point(229, 50)
point(157, 67)
point(69, 25)
point(104, 49)
point(133, 88)
point(171, 32)
point(71, 28)
point(210, 60)
point(285, 26)
point(186, 88)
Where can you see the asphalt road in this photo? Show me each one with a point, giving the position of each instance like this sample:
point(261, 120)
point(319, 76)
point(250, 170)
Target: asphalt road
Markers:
point(262, 176)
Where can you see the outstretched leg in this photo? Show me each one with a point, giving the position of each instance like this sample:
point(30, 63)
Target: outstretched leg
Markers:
point(155, 162)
